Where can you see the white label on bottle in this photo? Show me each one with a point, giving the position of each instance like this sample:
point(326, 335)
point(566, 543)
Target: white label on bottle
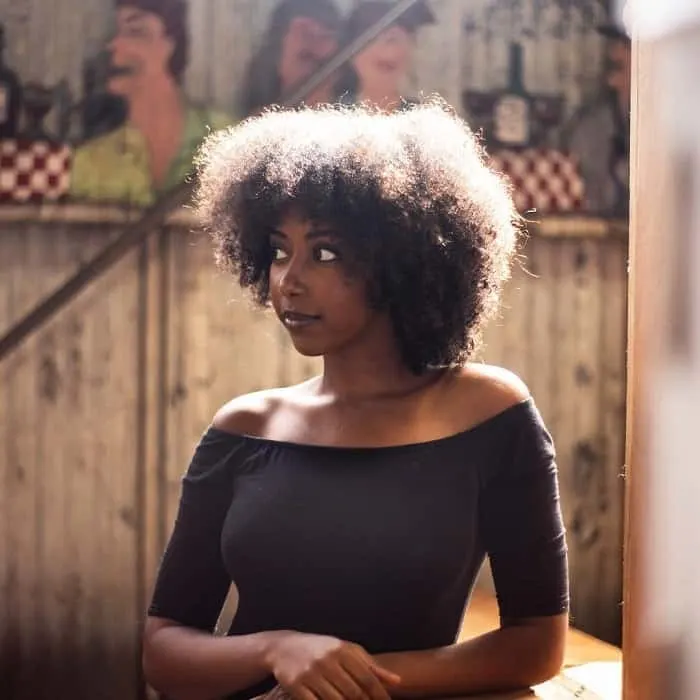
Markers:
point(4, 107)
point(512, 120)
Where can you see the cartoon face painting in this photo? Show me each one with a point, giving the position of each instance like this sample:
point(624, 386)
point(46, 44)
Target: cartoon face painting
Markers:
point(384, 64)
point(140, 50)
point(307, 44)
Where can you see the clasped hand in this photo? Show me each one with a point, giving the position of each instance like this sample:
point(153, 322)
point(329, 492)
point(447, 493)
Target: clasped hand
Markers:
point(315, 667)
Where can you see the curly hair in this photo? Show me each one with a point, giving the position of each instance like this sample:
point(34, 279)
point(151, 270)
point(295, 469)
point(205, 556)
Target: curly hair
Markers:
point(431, 228)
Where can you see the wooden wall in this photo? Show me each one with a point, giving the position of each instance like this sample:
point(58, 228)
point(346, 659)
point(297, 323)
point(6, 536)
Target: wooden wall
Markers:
point(100, 411)
point(563, 329)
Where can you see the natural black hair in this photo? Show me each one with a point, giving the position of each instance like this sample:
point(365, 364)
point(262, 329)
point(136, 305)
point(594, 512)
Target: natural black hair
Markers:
point(431, 227)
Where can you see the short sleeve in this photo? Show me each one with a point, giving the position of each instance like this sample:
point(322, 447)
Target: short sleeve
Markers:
point(521, 520)
point(192, 583)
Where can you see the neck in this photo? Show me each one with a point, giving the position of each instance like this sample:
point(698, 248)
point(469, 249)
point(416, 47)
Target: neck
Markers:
point(154, 104)
point(321, 95)
point(374, 370)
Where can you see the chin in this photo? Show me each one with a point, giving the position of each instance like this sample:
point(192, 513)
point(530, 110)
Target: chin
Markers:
point(308, 349)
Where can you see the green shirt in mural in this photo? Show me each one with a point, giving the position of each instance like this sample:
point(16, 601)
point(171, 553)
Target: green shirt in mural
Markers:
point(114, 167)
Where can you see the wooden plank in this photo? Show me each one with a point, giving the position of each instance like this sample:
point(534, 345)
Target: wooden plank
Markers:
point(8, 629)
point(587, 466)
point(612, 418)
point(114, 311)
point(22, 521)
point(57, 582)
point(581, 648)
point(517, 322)
point(150, 465)
point(540, 339)
point(563, 422)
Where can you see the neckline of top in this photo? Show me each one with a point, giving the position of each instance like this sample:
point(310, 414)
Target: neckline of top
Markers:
point(496, 418)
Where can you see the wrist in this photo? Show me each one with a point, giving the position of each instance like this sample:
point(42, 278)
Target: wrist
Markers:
point(271, 644)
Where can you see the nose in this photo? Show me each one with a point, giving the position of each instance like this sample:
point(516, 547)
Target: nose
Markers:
point(115, 45)
point(291, 281)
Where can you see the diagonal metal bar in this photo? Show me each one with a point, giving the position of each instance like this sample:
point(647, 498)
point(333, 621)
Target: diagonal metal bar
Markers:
point(135, 234)
point(346, 53)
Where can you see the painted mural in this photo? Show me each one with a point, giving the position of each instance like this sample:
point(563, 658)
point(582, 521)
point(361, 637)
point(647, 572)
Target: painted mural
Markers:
point(545, 81)
point(152, 149)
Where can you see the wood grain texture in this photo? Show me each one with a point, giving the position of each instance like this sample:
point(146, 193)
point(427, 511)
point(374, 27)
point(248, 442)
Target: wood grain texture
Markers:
point(102, 409)
point(562, 329)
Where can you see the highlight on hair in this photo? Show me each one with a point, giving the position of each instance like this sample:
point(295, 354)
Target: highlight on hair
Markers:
point(431, 227)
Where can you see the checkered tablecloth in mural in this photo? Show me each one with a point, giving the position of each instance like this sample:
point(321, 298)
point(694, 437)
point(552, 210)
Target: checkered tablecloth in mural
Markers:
point(33, 171)
point(547, 181)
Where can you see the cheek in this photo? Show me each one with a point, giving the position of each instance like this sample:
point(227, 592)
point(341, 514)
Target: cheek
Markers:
point(123, 49)
point(349, 297)
point(363, 62)
point(404, 56)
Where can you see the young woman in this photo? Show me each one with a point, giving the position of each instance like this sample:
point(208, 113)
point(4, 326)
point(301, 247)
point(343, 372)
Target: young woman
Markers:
point(352, 512)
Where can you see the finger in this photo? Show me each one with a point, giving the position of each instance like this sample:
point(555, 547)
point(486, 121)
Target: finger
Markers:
point(384, 674)
point(324, 689)
point(346, 685)
point(362, 674)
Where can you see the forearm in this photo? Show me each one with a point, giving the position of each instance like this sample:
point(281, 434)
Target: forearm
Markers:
point(507, 658)
point(187, 664)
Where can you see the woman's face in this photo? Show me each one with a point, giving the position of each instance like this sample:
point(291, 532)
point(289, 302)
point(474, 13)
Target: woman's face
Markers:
point(386, 61)
point(140, 50)
point(319, 302)
point(305, 47)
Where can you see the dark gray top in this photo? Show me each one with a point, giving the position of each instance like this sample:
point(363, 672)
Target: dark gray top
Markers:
point(376, 545)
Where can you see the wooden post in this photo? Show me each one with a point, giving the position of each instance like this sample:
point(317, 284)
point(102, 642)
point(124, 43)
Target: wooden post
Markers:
point(661, 577)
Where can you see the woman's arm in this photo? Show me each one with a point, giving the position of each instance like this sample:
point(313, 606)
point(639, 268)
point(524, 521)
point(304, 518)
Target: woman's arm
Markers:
point(188, 664)
point(515, 656)
point(521, 526)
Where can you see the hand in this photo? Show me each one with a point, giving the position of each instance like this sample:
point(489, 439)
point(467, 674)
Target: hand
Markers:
point(314, 667)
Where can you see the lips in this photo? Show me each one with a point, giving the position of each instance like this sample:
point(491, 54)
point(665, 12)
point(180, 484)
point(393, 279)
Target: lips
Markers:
point(297, 319)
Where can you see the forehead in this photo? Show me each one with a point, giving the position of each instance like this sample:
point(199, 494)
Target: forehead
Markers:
point(296, 221)
point(396, 31)
point(309, 26)
point(128, 16)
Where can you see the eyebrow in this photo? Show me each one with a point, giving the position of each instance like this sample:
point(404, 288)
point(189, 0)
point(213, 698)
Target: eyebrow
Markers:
point(134, 16)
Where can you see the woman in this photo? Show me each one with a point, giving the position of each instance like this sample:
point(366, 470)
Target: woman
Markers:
point(353, 511)
point(300, 37)
point(378, 75)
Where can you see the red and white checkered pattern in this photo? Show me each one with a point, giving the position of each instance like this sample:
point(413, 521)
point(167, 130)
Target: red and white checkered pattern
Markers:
point(33, 171)
point(544, 180)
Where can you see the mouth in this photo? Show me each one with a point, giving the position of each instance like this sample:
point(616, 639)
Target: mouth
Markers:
point(296, 320)
point(120, 71)
point(384, 66)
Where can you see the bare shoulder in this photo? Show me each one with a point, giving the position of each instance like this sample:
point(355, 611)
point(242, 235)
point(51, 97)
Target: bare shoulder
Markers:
point(483, 391)
point(250, 414)
point(247, 414)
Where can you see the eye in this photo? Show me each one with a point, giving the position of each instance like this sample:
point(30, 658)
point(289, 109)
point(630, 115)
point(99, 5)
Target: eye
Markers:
point(326, 254)
point(278, 254)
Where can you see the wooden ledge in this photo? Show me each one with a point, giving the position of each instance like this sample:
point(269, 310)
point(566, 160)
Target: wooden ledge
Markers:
point(85, 214)
point(592, 668)
point(554, 226)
